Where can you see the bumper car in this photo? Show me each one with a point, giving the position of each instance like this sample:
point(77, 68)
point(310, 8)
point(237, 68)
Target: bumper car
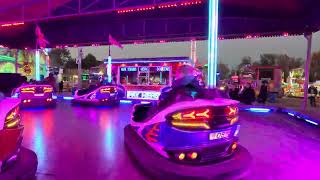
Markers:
point(35, 96)
point(99, 96)
point(189, 139)
point(16, 162)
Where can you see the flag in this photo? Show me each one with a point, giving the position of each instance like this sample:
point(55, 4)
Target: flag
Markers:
point(41, 41)
point(113, 41)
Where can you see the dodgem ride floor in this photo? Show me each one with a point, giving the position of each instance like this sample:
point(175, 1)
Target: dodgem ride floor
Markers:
point(74, 142)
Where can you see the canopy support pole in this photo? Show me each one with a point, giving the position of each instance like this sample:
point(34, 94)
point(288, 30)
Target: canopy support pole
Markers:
point(109, 67)
point(37, 63)
point(79, 62)
point(213, 43)
point(193, 53)
point(308, 36)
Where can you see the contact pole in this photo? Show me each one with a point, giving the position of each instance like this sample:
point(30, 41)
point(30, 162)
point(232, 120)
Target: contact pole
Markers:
point(308, 36)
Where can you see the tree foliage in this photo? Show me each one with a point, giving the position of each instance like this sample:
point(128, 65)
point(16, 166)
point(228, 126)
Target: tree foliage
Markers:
point(90, 61)
point(315, 67)
point(223, 70)
point(59, 56)
point(244, 62)
point(284, 61)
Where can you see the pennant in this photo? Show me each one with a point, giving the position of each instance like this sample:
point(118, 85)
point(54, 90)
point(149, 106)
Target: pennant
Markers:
point(113, 41)
point(41, 41)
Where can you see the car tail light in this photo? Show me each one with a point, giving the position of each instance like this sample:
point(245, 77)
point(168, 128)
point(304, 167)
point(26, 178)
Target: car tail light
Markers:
point(28, 90)
point(197, 118)
point(47, 89)
point(108, 90)
point(232, 114)
point(12, 119)
point(231, 111)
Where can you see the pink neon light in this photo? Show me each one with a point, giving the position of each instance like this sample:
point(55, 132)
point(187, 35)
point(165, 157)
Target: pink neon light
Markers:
point(12, 24)
point(285, 34)
point(161, 6)
point(248, 37)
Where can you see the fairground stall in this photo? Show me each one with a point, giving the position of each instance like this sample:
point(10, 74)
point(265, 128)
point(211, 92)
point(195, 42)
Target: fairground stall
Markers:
point(255, 75)
point(143, 78)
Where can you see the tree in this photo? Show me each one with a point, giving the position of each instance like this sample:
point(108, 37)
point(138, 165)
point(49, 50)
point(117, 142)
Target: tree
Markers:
point(268, 59)
point(288, 63)
point(315, 67)
point(244, 62)
point(224, 70)
point(90, 61)
point(59, 56)
point(71, 64)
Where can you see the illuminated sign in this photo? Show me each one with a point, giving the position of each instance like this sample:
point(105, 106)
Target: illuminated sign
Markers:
point(146, 95)
point(131, 69)
point(145, 69)
point(165, 68)
point(85, 77)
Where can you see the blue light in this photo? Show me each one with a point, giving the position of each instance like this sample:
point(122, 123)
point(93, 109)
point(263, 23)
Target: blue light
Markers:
point(312, 122)
point(291, 114)
point(109, 69)
point(125, 101)
point(37, 65)
point(213, 42)
point(262, 110)
point(15, 95)
point(67, 98)
point(54, 97)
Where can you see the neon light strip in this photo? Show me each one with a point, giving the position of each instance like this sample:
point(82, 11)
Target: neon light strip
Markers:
point(67, 98)
point(12, 24)
point(109, 69)
point(37, 65)
point(185, 124)
point(291, 114)
point(259, 110)
point(213, 43)
point(7, 58)
point(132, 62)
point(125, 101)
point(145, 102)
point(312, 122)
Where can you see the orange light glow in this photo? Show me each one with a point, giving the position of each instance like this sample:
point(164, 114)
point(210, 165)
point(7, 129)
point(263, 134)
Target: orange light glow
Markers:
point(12, 114)
point(47, 89)
point(105, 90)
point(191, 124)
point(177, 116)
point(204, 114)
point(28, 90)
point(231, 111)
point(193, 155)
point(12, 124)
point(181, 156)
point(234, 146)
point(190, 115)
point(233, 120)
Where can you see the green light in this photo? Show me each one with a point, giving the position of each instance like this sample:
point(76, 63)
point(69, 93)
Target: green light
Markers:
point(7, 58)
point(7, 68)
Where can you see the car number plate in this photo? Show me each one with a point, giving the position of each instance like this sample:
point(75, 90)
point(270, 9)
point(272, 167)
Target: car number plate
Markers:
point(219, 135)
point(38, 95)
